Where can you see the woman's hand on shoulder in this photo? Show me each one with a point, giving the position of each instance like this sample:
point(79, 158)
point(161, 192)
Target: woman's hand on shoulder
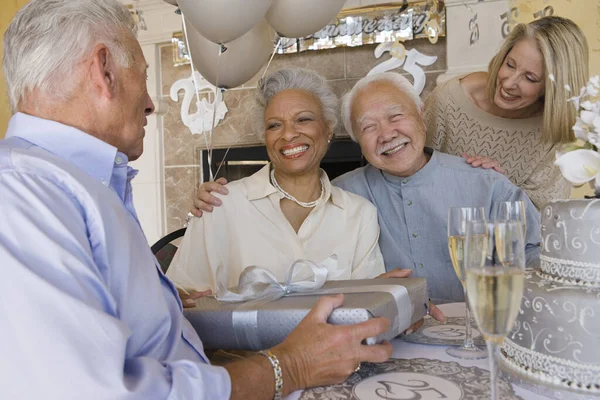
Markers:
point(205, 201)
point(484, 162)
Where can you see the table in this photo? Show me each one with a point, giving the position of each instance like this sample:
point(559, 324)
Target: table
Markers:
point(407, 350)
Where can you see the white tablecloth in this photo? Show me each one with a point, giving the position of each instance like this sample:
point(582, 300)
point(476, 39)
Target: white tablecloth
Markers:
point(407, 350)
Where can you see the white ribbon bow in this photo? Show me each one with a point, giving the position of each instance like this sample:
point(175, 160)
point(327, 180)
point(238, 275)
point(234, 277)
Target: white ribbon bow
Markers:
point(259, 285)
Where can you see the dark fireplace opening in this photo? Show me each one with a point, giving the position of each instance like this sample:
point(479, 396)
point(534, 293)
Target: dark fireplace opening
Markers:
point(342, 156)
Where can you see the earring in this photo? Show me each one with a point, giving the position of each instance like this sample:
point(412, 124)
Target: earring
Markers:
point(328, 141)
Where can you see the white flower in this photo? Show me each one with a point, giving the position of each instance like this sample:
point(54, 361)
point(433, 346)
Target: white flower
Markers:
point(580, 129)
point(580, 166)
point(587, 105)
point(587, 117)
point(596, 121)
point(552, 78)
point(581, 163)
point(575, 100)
point(591, 90)
point(594, 138)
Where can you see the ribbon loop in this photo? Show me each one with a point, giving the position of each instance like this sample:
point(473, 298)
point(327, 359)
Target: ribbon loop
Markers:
point(260, 286)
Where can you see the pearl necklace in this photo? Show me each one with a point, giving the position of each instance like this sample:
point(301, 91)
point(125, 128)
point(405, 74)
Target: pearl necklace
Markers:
point(288, 196)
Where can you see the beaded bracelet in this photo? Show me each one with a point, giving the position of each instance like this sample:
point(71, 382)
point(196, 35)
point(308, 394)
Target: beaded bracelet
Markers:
point(278, 374)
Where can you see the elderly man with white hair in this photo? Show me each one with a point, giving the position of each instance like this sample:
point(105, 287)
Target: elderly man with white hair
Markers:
point(411, 185)
point(86, 310)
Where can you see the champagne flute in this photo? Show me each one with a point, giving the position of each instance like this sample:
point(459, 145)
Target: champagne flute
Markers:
point(457, 222)
point(495, 270)
point(511, 211)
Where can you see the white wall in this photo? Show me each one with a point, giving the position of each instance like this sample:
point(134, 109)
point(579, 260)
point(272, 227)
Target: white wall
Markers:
point(462, 56)
point(148, 186)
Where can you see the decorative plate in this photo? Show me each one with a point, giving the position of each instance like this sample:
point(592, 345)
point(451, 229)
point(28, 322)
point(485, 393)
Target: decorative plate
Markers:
point(452, 333)
point(418, 378)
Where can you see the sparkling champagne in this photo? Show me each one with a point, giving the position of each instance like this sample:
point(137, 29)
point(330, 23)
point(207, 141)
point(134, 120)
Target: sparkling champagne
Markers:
point(456, 246)
point(495, 296)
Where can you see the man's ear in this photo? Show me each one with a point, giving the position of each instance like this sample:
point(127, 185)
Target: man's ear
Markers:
point(103, 71)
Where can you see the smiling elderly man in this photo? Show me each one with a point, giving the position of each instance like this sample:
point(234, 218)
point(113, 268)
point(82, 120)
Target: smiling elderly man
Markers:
point(411, 185)
point(86, 311)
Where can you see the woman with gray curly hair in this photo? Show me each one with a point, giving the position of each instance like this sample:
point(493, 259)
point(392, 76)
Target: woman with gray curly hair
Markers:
point(288, 210)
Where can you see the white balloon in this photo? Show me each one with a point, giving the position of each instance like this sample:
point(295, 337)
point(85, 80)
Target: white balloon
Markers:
point(222, 21)
point(243, 58)
point(299, 18)
point(172, 2)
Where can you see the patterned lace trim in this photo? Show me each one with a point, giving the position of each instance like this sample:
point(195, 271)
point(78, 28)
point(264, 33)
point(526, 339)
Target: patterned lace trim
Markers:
point(565, 281)
point(551, 369)
point(573, 272)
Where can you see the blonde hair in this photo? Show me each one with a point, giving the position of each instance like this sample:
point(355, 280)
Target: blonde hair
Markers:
point(565, 50)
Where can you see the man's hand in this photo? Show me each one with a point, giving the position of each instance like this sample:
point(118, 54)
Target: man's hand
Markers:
point(396, 273)
point(483, 162)
point(189, 297)
point(317, 353)
point(204, 201)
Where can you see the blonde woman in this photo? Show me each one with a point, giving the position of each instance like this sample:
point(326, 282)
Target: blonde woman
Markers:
point(514, 116)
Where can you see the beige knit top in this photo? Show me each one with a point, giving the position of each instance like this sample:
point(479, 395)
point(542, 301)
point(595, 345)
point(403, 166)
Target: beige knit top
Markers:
point(455, 125)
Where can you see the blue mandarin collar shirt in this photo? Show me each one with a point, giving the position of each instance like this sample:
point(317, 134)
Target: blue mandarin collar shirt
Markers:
point(413, 214)
point(86, 310)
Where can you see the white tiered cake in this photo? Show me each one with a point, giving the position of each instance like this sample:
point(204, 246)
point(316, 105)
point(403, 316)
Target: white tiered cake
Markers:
point(556, 339)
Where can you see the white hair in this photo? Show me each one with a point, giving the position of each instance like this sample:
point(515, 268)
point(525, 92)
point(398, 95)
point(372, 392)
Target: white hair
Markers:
point(47, 39)
point(394, 78)
point(297, 79)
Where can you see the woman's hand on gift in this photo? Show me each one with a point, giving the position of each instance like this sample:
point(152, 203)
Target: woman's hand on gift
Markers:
point(204, 201)
point(396, 273)
point(317, 353)
point(435, 313)
point(189, 296)
point(483, 162)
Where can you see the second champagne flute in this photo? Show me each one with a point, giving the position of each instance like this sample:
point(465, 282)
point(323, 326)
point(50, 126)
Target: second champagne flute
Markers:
point(458, 217)
point(511, 211)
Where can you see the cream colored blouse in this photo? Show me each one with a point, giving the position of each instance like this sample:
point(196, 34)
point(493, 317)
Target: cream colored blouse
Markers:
point(250, 229)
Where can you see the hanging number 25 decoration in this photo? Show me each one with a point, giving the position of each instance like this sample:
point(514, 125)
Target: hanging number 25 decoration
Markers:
point(474, 29)
point(508, 19)
point(411, 59)
point(202, 120)
point(544, 12)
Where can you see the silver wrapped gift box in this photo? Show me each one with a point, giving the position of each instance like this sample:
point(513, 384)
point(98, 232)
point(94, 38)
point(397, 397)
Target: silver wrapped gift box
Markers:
point(235, 326)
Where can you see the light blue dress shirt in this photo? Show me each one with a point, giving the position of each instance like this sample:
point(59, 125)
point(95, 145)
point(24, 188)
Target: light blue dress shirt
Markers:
point(413, 215)
point(85, 311)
